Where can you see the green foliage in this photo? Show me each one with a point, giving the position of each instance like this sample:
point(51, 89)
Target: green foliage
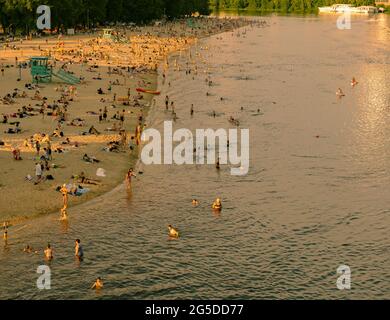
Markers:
point(21, 14)
point(283, 5)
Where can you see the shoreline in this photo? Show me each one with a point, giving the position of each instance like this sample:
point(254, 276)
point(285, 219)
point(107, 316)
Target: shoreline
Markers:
point(134, 160)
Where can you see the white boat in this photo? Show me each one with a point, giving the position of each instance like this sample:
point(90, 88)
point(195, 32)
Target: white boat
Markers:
point(341, 8)
point(336, 8)
point(365, 9)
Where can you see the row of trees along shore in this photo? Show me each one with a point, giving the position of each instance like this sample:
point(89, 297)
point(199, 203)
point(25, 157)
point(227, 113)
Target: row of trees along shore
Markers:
point(21, 15)
point(282, 5)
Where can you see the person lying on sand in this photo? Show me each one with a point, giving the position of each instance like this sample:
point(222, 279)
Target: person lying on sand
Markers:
point(73, 143)
point(89, 159)
point(57, 133)
point(78, 122)
point(91, 130)
point(81, 178)
point(112, 146)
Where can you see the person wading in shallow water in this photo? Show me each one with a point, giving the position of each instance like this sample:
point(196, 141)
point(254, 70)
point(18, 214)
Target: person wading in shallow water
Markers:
point(78, 250)
point(129, 174)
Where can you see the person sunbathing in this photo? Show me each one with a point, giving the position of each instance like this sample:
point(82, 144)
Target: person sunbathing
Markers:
point(78, 122)
point(37, 96)
point(91, 130)
point(89, 159)
point(57, 133)
point(81, 178)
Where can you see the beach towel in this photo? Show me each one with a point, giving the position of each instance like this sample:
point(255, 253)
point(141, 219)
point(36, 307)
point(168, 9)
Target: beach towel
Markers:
point(101, 172)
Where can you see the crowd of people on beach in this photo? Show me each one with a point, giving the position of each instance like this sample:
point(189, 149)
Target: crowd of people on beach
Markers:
point(148, 50)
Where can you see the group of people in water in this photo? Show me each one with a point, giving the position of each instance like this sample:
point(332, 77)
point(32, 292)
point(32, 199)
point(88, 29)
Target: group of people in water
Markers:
point(340, 93)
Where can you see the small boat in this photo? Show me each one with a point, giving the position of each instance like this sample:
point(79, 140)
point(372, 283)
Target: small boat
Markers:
point(148, 91)
point(365, 9)
point(336, 8)
point(341, 8)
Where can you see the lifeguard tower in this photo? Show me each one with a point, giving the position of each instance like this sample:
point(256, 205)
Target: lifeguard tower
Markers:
point(108, 34)
point(111, 34)
point(40, 69)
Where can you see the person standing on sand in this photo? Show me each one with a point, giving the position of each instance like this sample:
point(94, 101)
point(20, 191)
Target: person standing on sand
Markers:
point(38, 147)
point(138, 132)
point(105, 114)
point(166, 102)
point(38, 172)
point(100, 115)
point(122, 118)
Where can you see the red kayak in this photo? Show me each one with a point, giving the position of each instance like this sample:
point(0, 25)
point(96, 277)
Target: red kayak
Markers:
point(147, 91)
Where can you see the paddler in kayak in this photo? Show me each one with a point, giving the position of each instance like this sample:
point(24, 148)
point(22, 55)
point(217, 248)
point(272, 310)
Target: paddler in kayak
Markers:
point(217, 205)
point(173, 233)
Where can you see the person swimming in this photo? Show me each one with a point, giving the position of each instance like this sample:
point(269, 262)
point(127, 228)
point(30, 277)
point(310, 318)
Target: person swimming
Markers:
point(173, 233)
point(48, 252)
point(195, 202)
point(340, 93)
point(217, 205)
point(353, 82)
point(98, 284)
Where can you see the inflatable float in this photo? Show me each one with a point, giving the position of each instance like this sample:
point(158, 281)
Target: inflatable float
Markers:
point(148, 91)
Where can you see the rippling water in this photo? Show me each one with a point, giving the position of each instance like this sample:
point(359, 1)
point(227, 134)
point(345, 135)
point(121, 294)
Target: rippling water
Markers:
point(307, 205)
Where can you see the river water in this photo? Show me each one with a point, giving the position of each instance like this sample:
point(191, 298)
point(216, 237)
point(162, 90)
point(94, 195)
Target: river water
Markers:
point(316, 195)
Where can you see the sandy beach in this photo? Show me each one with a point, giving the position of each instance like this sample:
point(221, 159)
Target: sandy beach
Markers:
point(113, 69)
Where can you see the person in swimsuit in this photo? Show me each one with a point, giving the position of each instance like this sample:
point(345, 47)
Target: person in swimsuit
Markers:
point(78, 250)
point(173, 233)
point(129, 174)
point(48, 252)
point(98, 284)
point(217, 205)
point(64, 192)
